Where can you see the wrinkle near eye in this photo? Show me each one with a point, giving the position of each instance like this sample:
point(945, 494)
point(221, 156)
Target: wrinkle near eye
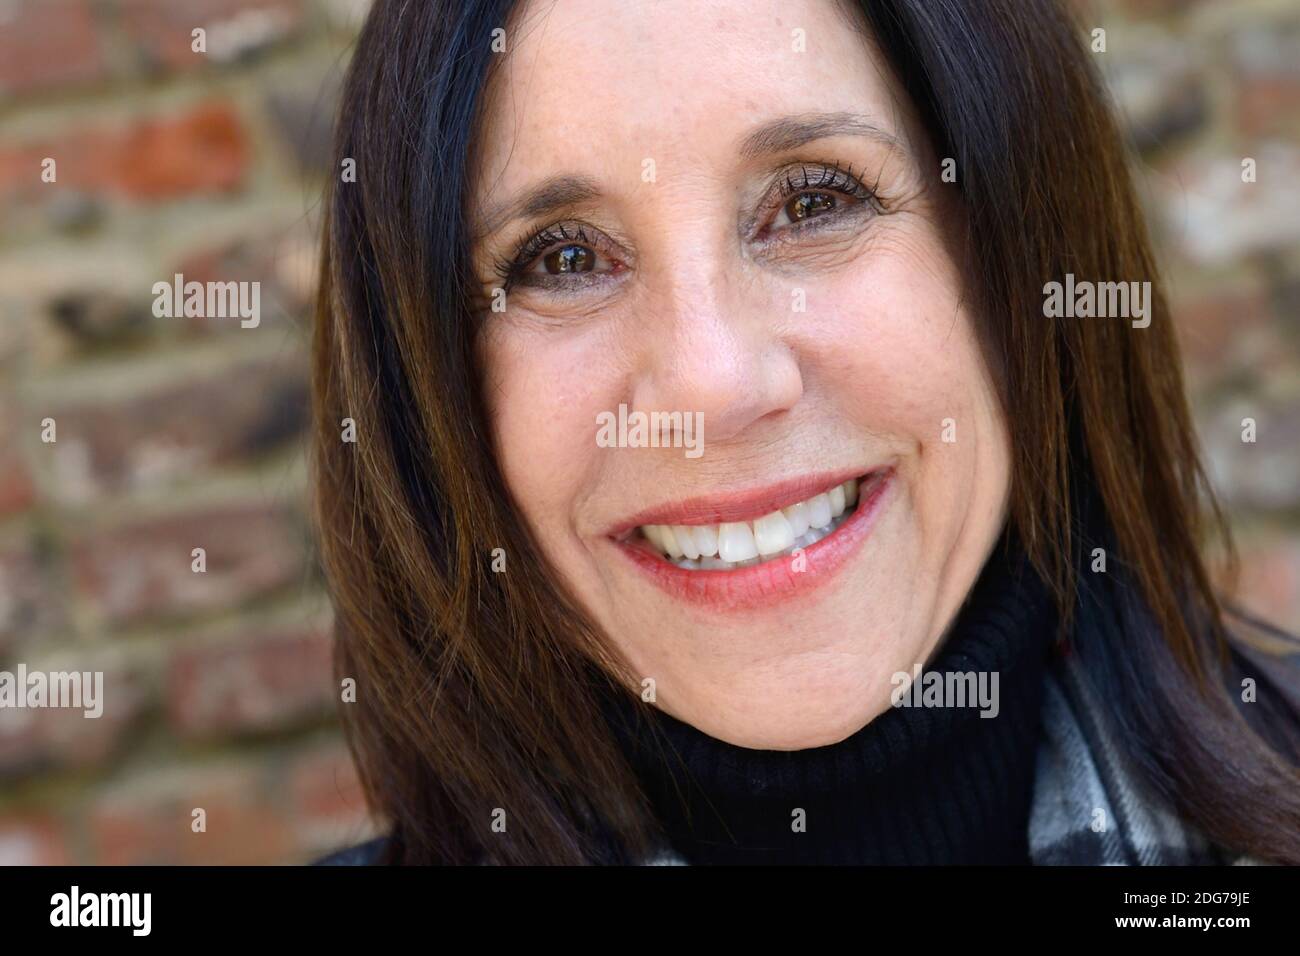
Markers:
point(847, 220)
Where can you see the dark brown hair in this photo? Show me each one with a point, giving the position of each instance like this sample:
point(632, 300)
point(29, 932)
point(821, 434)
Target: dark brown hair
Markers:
point(477, 691)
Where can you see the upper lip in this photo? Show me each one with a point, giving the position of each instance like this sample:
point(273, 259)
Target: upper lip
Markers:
point(744, 505)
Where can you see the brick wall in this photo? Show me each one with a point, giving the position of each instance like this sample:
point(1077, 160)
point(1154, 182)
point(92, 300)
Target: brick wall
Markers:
point(174, 434)
point(171, 433)
point(1203, 86)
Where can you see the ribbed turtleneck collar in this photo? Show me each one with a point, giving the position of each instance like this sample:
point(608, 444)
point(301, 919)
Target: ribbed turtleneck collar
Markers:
point(917, 785)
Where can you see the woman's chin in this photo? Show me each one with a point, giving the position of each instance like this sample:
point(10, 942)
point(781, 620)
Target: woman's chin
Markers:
point(794, 708)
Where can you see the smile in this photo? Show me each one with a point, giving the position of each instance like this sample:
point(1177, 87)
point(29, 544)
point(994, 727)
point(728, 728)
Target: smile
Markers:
point(741, 544)
point(758, 547)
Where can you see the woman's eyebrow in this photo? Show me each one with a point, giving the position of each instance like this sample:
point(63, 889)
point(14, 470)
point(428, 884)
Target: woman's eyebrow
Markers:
point(551, 194)
point(790, 132)
point(775, 136)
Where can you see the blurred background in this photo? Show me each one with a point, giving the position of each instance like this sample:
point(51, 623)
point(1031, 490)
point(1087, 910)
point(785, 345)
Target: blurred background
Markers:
point(176, 433)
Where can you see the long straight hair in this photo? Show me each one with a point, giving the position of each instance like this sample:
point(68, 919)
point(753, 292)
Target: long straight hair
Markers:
point(476, 692)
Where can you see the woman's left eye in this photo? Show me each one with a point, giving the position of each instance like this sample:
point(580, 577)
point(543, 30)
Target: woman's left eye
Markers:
point(807, 206)
point(817, 192)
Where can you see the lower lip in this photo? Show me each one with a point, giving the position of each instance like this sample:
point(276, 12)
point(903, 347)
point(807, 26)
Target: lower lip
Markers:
point(769, 583)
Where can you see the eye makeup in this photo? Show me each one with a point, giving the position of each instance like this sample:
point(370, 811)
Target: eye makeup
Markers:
point(585, 246)
point(810, 195)
point(814, 180)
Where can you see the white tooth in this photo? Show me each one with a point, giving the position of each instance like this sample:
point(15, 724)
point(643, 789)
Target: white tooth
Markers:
point(797, 515)
point(836, 496)
point(736, 542)
point(713, 564)
point(772, 533)
point(670, 541)
point(706, 539)
point(850, 492)
point(651, 532)
point(689, 565)
point(819, 511)
point(686, 541)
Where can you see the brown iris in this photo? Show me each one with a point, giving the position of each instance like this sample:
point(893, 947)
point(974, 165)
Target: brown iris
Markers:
point(807, 205)
point(569, 259)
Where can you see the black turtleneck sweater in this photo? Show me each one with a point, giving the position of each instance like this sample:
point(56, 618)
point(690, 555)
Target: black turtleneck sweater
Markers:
point(916, 785)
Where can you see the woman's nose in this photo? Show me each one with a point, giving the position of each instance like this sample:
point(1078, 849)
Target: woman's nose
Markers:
point(713, 345)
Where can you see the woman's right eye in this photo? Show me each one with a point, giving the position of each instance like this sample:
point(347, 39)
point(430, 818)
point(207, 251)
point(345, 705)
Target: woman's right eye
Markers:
point(567, 259)
point(558, 256)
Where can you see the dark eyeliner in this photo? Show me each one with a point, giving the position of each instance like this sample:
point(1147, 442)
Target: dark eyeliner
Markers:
point(511, 266)
point(811, 177)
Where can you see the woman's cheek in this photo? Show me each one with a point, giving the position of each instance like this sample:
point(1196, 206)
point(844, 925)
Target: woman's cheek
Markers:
point(898, 353)
point(545, 399)
point(905, 368)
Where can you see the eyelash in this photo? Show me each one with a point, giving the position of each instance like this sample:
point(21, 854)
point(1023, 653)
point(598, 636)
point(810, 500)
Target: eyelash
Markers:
point(512, 266)
point(833, 178)
point(826, 177)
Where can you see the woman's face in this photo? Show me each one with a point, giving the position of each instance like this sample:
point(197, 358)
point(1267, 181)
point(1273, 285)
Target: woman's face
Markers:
point(728, 211)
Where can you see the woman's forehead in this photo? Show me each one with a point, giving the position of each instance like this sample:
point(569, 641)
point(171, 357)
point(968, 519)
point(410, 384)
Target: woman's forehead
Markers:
point(670, 79)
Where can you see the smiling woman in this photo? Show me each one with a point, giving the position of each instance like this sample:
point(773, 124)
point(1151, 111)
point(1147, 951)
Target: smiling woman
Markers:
point(823, 231)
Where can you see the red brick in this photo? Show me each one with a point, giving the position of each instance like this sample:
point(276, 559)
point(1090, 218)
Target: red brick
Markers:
point(179, 431)
point(17, 493)
point(16, 489)
point(62, 738)
point(163, 32)
point(144, 569)
point(149, 820)
point(326, 803)
point(48, 44)
point(258, 682)
point(1267, 103)
point(30, 603)
point(33, 839)
point(1268, 77)
point(283, 262)
point(203, 150)
point(1212, 328)
point(1269, 582)
point(129, 835)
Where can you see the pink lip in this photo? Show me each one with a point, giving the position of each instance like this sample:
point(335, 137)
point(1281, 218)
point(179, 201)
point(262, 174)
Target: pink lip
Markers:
point(740, 506)
point(760, 585)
